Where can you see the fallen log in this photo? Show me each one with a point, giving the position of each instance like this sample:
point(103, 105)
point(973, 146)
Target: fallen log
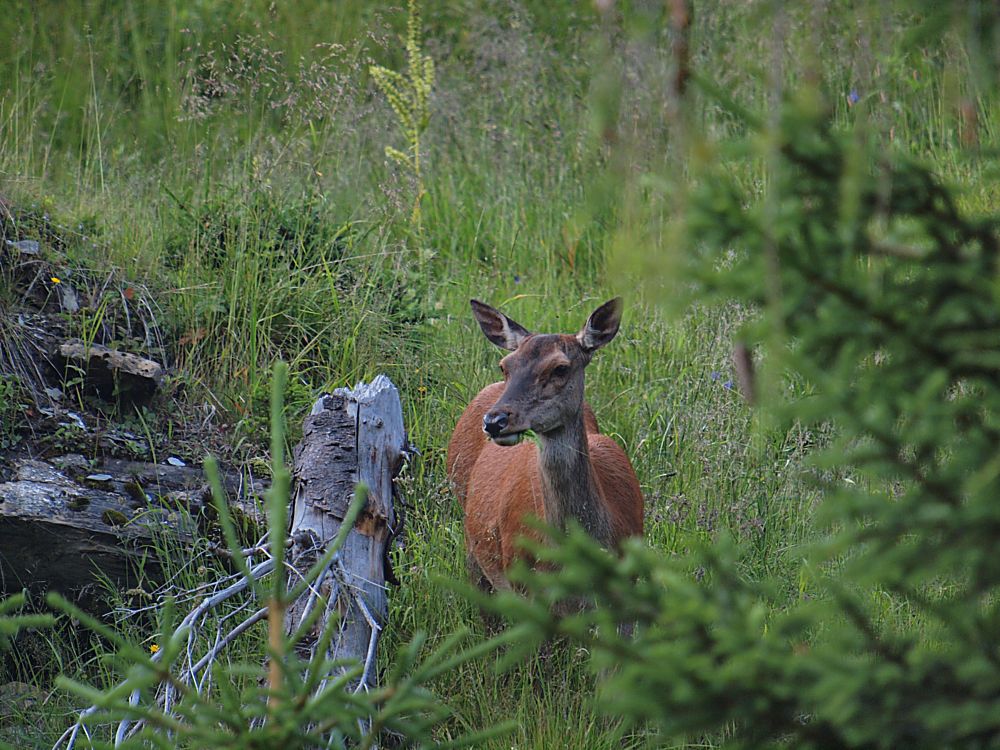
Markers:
point(66, 521)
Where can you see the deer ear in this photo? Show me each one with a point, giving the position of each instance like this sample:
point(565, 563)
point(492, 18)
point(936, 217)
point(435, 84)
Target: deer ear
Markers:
point(602, 325)
point(497, 327)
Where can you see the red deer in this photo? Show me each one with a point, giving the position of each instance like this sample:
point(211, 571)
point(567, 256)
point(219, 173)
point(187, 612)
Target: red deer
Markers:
point(573, 472)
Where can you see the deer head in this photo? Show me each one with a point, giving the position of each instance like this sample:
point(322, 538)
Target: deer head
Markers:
point(543, 372)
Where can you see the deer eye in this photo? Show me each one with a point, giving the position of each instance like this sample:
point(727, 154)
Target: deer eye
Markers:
point(560, 371)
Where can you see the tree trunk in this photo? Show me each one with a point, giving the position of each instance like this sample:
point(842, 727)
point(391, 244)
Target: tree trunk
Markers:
point(354, 436)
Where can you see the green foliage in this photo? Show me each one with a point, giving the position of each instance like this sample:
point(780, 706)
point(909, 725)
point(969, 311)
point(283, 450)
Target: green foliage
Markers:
point(288, 231)
point(14, 401)
point(11, 622)
point(407, 95)
point(551, 154)
point(874, 287)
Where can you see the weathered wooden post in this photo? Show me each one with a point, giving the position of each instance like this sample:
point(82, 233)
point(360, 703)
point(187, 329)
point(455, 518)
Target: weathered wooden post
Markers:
point(351, 437)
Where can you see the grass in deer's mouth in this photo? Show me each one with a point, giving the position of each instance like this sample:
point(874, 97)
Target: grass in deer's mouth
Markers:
point(516, 438)
point(508, 440)
point(530, 435)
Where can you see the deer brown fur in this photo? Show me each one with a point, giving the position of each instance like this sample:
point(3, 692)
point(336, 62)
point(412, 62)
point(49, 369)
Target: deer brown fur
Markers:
point(573, 472)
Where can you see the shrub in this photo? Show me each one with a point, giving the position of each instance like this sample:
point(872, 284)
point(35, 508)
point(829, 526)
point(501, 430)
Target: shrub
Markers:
point(873, 286)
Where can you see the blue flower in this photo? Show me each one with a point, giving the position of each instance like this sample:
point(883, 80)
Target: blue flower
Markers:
point(517, 279)
point(728, 385)
point(853, 98)
point(714, 375)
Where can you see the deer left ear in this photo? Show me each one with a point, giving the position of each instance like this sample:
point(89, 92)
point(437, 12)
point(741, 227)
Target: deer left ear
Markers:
point(497, 327)
point(601, 326)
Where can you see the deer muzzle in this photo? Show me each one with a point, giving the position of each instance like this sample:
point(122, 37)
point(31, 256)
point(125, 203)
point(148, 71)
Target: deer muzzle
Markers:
point(494, 424)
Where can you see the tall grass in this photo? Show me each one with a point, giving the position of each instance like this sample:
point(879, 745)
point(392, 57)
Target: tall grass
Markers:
point(230, 157)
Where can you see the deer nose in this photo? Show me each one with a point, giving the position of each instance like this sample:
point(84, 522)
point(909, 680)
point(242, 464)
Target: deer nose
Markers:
point(495, 422)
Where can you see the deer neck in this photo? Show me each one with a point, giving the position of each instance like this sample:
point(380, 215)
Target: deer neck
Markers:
point(569, 485)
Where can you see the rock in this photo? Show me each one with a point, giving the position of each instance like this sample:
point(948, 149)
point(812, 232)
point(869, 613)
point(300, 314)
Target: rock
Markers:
point(25, 247)
point(68, 299)
point(77, 421)
point(111, 374)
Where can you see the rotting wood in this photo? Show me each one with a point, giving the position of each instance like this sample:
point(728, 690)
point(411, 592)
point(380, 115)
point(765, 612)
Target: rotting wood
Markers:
point(64, 521)
point(113, 374)
point(351, 436)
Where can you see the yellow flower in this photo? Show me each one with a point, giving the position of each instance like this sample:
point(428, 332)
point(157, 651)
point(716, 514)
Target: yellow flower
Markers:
point(154, 648)
point(55, 280)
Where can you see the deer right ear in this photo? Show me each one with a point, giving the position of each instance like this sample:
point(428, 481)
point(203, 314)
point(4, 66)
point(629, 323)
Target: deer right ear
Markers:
point(497, 327)
point(601, 326)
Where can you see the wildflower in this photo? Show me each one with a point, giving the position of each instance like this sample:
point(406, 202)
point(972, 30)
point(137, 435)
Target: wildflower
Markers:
point(55, 280)
point(714, 375)
point(853, 98)
point(728, 385)
point(517, 279)
point(154, 648)
point(422, 389)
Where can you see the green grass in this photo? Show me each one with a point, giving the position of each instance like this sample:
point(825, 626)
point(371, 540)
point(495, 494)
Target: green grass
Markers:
point(231, 170)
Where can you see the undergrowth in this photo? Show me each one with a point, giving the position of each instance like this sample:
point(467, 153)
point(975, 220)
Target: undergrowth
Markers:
point(228, 162)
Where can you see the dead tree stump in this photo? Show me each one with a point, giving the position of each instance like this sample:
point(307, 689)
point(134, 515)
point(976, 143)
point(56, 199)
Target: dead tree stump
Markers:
point(351, 437)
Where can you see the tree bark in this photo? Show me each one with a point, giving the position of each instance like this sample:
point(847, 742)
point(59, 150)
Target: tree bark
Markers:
point(64, 521)
point(351, 437)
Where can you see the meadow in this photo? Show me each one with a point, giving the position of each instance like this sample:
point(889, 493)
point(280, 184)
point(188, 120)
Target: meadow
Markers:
point(227, 162)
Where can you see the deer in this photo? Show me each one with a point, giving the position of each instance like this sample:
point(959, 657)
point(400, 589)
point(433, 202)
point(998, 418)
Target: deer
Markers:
point(570, 471)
